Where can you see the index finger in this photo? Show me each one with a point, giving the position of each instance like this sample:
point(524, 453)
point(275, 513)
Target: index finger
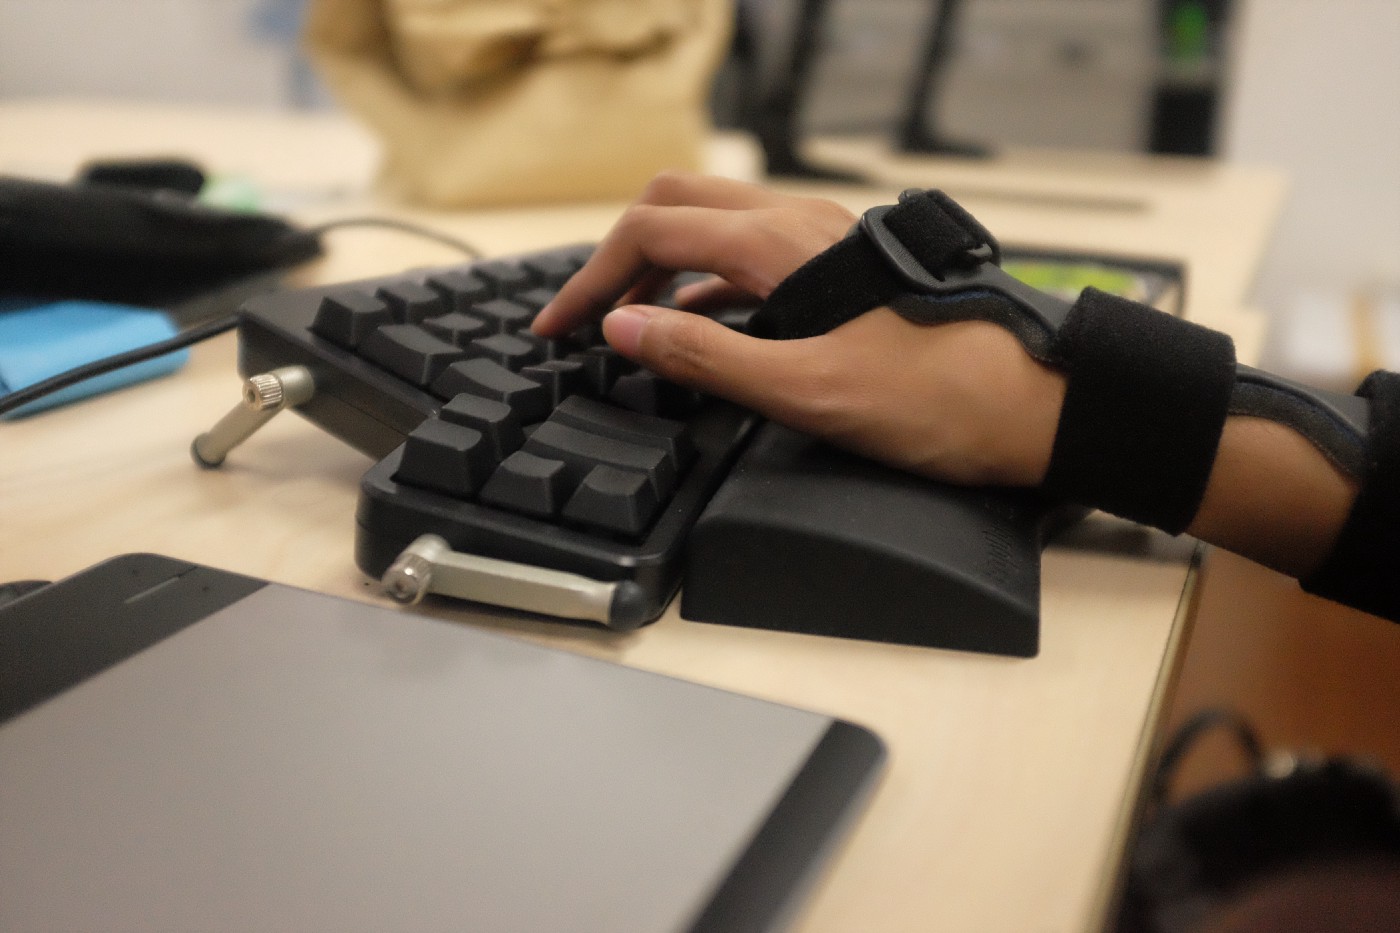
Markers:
point(676, 189)
point(651, 237)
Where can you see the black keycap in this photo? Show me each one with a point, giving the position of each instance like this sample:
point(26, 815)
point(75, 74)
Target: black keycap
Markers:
point(492, 380)
point(614, 500)
point(527, 483)
point(445, 457)
point(510, 350)
point(412, 302)
point(735, 318)
point(495, 420)
point(347, 317)
point(534, 298)
point(563, 378)
point(504, 315)
point(649, 394)
point(461, 289)
point(609, 421)
point(505, 277)
point(544, 345)
point(553, 269)
point(560, 348)
point(602, 366)
point(410, 352)
point(588, 335)
point(582, 451)
point(458, 327)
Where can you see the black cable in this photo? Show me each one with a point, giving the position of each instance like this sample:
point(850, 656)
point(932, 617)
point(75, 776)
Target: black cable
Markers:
point(1190, 733)
point(201, 332)
point(390, 223)
point(78, 374)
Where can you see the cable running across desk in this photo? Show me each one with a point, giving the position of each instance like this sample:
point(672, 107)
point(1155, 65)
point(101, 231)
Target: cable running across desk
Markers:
point(199, 333)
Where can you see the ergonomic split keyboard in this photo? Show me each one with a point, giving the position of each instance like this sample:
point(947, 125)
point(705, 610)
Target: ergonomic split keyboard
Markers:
point(556, 477)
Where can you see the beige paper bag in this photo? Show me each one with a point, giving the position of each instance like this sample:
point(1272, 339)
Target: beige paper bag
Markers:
point(497, 102)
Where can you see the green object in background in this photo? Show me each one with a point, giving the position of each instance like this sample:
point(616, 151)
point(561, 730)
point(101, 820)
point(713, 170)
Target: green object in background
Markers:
point(1067, 279)
point(231, 193)
point(1188, 32)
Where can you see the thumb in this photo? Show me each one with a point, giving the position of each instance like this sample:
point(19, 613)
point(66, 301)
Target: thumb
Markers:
point(703, 354)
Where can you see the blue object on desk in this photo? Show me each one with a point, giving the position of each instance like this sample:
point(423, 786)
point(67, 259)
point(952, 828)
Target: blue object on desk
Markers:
point(41, 341)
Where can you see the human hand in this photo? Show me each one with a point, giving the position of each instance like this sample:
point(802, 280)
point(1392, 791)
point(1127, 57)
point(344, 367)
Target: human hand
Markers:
point(751, 238)
point(961, 402)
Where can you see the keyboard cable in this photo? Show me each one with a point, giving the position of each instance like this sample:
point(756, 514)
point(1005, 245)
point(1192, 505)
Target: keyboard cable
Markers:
point(202, 332)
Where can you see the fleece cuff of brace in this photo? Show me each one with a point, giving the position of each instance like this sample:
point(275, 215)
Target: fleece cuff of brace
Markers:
point(1145, 403)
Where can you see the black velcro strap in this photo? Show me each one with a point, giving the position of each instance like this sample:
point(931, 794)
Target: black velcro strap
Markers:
point(853, 275)
point(1144, 408)
point(937, 231)
point(1363, 569)
point(834, 286)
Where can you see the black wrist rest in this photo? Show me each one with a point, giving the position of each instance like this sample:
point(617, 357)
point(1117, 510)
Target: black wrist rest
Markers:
point(807, 538)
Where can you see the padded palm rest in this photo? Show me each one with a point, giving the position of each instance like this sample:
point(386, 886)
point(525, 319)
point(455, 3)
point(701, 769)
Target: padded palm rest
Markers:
point(807, 538)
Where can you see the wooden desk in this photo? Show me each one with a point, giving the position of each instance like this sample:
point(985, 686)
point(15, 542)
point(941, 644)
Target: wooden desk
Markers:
point(1010, 784)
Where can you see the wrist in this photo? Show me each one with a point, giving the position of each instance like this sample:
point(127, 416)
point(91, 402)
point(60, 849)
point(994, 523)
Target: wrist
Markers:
point(1031, 426)
point(1273, 497)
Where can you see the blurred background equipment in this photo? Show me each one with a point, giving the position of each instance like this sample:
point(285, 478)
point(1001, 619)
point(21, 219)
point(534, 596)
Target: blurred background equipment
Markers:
point(964, 76)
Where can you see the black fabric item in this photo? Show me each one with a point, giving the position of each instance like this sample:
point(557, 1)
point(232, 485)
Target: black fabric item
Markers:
point(1363, 569)
point(111, 243)
point(937, 230)
point(177, 175)
point(842, 282)
point(852, 276)
point(1144, 407)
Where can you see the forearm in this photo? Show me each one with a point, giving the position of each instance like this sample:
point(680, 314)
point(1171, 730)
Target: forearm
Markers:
point(1273, 497)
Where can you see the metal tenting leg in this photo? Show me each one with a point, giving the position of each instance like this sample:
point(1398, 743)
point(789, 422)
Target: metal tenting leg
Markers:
point(429, 565)
point(264, 395)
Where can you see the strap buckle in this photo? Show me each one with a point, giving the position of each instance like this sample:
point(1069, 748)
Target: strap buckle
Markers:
point(977, 270)
point(910, 267)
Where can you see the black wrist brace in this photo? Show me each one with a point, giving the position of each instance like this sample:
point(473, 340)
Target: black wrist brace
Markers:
point(1147, 393)
point(1363, 569)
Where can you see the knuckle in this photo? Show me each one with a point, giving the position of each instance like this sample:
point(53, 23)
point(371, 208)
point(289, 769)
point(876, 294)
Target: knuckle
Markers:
point(827, 210)
point(636, 217)
point(747, 241)
point(837, 210)
point(670, 186)
point(838, 220)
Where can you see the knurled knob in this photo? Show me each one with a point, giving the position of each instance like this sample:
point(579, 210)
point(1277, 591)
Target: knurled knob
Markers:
point(262, 392)
point(408, 579)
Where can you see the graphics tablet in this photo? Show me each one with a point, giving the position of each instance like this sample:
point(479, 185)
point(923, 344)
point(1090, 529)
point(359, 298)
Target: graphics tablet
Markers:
point(185, 748)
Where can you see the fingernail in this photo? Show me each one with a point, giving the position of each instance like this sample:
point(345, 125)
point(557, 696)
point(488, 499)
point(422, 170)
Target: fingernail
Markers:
point(684, 292)
point(543, 313)
point(623, 327)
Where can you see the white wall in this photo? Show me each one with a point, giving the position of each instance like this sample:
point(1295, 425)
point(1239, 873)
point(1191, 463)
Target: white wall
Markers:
point(214, 51)
point(1317, 92)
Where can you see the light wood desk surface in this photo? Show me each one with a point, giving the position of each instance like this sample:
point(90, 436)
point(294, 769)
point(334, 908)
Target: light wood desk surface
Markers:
point(1009, 783)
